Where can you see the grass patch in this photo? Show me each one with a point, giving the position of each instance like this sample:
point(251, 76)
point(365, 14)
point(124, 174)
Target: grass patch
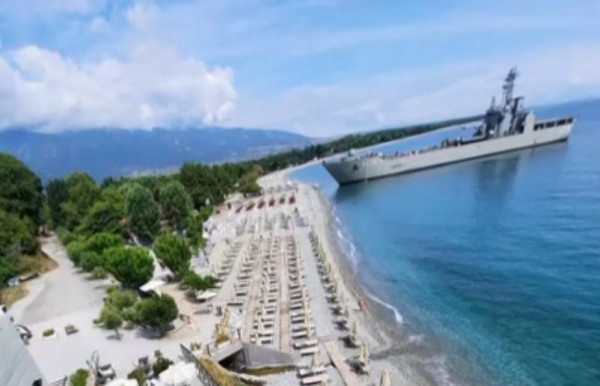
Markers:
point(263, 371)
point(79, 377)
point(219, 374)
point(39, 263)
point(11, 295)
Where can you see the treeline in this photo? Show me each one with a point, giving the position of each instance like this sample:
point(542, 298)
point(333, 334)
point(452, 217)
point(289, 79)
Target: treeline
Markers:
point(352, 141)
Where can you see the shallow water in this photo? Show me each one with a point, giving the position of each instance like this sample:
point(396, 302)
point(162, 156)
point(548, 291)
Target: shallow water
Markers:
point(492, 264)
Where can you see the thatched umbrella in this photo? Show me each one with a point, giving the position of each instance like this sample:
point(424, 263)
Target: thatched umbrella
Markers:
point(316, 360)
point(364, 353)
point(385, 378)
point(354, 329)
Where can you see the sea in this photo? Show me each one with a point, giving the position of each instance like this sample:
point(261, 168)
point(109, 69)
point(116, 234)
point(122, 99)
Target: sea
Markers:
point(490, 267)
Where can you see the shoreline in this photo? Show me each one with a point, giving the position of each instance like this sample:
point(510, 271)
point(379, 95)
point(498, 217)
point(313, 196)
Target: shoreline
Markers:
point(379, 320)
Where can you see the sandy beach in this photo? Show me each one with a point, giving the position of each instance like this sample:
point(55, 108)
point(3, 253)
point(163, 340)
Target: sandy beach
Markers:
point(284, 284)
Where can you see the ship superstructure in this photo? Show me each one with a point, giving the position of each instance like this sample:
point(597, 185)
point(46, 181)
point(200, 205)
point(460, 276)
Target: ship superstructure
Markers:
point(506, 126)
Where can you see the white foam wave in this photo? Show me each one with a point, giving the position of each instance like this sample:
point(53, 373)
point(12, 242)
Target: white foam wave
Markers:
point(397, 315)
point(437, 368)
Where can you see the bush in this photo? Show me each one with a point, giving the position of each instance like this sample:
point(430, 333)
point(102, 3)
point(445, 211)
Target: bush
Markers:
point(160, 363)
point(74, 250)
point(197, 282)
point(138, 375)
point(111, 319)
point(79, 378)
point(157, 312)
point(121, 300)
point(65, 236)
point(48, 332)
point(100, 242)
point(8, 269)
point(99, 273)
point(90, 260)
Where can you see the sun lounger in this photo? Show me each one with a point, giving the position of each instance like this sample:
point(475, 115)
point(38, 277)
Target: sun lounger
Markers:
point(265, 323)
point(300, 334)
point(314, 380)
point(264, 332)
point(269, 310)
point(297, 319)
point(311, 371)
point(262, 340)
point(302, 327)
point(309, 351)
point(236, 302)
point(300, 313)
point(305, 343)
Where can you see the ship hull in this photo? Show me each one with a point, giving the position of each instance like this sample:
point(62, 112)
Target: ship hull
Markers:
point(350, 171)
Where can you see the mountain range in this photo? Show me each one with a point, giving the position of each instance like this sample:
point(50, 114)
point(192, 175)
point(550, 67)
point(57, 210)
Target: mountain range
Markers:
point(117, 152)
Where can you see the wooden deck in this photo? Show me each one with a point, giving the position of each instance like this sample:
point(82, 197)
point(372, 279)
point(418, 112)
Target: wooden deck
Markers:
point(339, 361)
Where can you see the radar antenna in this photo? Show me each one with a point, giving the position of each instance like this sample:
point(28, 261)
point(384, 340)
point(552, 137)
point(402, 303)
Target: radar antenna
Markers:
point(509, 85)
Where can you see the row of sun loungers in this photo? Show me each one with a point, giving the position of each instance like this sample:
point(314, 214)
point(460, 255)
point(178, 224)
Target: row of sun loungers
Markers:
point(265, 316)
point(302, 328)
point(339, 308)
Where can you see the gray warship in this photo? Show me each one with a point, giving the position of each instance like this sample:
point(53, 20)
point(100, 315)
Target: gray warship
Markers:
point(506, 127)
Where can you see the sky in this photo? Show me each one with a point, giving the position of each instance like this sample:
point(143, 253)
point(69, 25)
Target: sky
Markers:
point(316, 67)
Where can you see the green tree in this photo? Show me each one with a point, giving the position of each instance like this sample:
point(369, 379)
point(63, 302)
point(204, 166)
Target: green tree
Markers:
point(107, 214)
point(174, 251)
point(199, 283)
point(20, 189)
point(248, 183)
point(195, 231)
point(157, 312)
point(121, 299)
point(57, 193)
point(132, 266)
point(175, 203)
point(112, 320)
point(142, 212)
point(83, 193)
point(16, 235)
point(100, 242)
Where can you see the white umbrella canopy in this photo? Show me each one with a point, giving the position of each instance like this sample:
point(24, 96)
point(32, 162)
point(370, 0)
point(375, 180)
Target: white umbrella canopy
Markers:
point(385, 378)
point(179, 374)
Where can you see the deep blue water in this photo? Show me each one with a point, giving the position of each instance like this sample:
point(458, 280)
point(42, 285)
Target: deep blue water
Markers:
point(494, 263)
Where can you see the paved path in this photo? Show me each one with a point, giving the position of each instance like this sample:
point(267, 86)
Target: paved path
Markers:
point(60, 292)
point(339, 361)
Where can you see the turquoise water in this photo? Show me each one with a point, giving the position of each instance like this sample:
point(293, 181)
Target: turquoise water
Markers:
point(492, 264)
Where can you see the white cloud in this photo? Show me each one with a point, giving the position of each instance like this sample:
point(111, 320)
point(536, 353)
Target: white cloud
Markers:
point(142, 15)
point(153, 87)
point(547, 76)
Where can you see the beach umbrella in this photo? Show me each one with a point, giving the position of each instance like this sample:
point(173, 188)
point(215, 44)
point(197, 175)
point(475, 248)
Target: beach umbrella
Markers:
point(366, 353)
point(385, 378)
point(316, 360)
point(362, 358)
point(306, 319)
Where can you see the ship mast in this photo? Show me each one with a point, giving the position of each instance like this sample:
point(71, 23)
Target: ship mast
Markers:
point(509, 86)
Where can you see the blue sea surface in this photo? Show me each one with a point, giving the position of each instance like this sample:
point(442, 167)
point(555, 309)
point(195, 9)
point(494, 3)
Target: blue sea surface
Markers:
point(493, 264)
